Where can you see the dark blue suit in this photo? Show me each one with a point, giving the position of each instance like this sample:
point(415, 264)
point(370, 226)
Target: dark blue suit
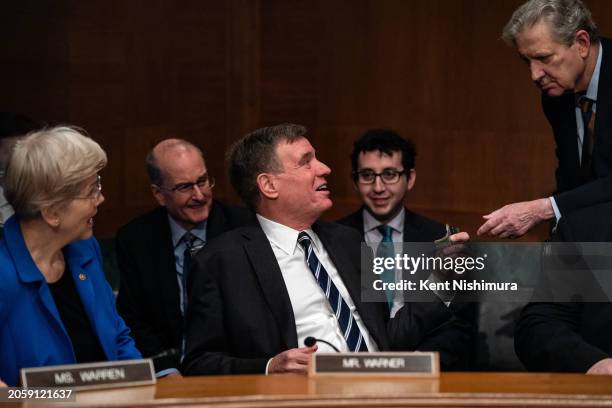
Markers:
point(32, 333)
point(573, 192)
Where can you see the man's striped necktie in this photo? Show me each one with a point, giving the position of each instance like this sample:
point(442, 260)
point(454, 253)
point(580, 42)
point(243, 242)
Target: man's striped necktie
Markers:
point(348, 325)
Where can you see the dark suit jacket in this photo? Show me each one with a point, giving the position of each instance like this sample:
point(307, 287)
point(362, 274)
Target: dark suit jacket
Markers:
point(240, 314)
point(149, 294)
point(573, 192)
point(454, 339)
point(569, 336)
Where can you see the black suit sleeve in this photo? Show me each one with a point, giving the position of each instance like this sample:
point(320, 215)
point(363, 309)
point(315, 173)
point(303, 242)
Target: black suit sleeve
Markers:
point(130, 303)
point(572, 193)
point(550, 336)
point(589, 194)
point(410, 325)
point(208, 342)
point(432, 326)
point(547, 338)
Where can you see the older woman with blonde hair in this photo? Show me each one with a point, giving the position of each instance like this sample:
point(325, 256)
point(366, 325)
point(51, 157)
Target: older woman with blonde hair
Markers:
point(55, 304)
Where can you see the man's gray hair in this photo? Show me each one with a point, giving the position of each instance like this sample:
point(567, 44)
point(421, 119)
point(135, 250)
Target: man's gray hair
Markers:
point(565, 17)
point(255, 154)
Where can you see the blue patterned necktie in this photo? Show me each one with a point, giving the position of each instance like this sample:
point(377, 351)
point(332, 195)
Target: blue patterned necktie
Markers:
point(190, 249)
point(348, 325)
point(386, 249)
point(189, 240)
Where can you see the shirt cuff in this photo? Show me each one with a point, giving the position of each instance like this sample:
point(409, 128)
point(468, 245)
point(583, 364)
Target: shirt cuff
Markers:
point(555, 208)
point(165, 372)
point(268, 365)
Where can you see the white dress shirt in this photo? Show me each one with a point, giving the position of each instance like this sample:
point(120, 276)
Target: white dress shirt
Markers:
point(313, 314)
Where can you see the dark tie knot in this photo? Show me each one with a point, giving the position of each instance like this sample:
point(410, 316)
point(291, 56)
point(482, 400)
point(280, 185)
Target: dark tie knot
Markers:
point(189, 239)
point(585, 104)
point(304, 240)
point(386, 231)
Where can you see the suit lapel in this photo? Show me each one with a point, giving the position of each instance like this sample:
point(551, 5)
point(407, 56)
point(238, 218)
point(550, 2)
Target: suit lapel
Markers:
point(216, 223)
point(272, 284)
point(603, 124)
point(27, 270)
point(569, 126)
point(411, 228)
point(350, 277)
point(162, 257)
point(356, 221)
point(341, 260)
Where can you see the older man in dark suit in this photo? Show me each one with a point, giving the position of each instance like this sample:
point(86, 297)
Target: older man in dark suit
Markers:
point(260, 291)
point(153, 250)
point(572, 65)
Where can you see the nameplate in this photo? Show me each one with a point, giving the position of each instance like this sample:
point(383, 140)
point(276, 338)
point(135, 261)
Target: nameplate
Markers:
point(107, 374)
point(411, 364)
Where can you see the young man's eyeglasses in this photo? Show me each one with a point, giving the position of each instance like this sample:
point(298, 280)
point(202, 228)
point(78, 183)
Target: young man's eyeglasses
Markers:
point(203, 182)
point(388, 176)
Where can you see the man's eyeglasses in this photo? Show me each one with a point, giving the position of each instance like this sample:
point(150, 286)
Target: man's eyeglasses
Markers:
point(388, 176)
point(203, 182)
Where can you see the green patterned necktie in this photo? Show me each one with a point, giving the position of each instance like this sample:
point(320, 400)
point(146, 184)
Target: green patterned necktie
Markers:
point(386, 249)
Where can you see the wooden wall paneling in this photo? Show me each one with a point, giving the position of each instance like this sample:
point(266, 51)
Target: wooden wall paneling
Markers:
point(133, 73)
point(432, 72)
point(33, 59)
point(243, 78)
point(289, 71)
point(178, 89)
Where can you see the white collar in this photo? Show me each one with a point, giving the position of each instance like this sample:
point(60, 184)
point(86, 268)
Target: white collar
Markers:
point(283, 236)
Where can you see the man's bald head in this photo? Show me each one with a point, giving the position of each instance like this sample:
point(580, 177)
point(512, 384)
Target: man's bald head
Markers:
point(164, 153)
point(180, 181)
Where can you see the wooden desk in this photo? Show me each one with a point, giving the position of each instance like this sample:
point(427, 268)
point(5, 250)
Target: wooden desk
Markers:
point(287, 391)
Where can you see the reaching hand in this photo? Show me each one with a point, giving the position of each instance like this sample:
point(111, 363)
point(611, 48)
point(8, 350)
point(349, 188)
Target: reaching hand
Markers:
point(514, 220)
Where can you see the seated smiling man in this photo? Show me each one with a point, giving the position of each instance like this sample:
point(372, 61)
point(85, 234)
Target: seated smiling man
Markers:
point(383, 168)
point(257, 291)
point(153, 250)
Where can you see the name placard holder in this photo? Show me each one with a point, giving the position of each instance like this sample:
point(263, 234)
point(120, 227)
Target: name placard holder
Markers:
point(415, 364)
point(107, 374)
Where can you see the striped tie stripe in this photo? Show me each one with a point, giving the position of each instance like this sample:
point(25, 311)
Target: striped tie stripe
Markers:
point(350, 331)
